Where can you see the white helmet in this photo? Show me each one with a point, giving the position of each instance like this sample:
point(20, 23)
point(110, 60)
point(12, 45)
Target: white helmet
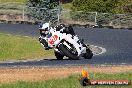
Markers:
point(44, 29)
point(45, 26)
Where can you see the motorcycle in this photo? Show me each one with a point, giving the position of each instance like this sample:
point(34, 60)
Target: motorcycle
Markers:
point(66, 44)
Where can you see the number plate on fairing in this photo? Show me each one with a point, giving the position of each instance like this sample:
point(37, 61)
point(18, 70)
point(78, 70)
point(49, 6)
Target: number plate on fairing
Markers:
point(53, 39)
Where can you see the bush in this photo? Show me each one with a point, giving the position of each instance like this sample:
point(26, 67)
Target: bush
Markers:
point(103, 6)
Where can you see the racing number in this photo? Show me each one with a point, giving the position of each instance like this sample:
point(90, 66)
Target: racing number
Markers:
point(53, 39)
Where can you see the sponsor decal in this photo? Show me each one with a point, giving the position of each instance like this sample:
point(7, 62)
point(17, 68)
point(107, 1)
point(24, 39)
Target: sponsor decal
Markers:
point(85, 81)
point(53, 39)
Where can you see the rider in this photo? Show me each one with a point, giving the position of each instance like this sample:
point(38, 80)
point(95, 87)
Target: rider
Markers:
point(45, 32)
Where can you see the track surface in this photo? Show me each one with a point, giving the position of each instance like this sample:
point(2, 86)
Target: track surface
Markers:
point(118, 44)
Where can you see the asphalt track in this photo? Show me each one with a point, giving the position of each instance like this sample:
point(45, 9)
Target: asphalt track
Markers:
point(118, 44)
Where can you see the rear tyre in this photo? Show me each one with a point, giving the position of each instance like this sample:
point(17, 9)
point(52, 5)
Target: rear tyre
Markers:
point(67, 52)
point(58, 55)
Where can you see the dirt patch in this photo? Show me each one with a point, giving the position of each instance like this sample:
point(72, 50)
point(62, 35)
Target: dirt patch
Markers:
point(10, 75)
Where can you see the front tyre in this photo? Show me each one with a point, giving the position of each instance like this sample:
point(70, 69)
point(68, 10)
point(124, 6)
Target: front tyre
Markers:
point(67, 52)
point(58, 55)
point(88, 54)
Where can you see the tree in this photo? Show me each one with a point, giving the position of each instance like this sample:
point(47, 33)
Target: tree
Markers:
point(41, 10)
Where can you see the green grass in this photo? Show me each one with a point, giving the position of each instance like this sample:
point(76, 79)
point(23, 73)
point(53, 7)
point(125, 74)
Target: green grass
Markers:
point(19, 48)
point(71, 82)
point(16, 1)
point(66, 6)
point(12, 6)
point(10, 11)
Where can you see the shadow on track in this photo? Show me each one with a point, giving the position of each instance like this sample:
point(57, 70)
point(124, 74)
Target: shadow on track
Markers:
point(67, 59)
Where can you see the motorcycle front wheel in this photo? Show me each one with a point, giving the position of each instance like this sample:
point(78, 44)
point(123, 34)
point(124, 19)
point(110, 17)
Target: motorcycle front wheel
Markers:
point(88, 54)
point(67, 52)
point(58, 55)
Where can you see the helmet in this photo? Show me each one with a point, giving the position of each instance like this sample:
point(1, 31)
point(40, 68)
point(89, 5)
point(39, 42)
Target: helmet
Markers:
point(44, 28)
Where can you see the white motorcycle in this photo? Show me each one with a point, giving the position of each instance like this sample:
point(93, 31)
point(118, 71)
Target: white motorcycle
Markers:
point(68, 45)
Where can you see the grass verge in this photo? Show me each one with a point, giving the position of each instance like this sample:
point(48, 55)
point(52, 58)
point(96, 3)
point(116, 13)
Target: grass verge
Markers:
point(66, 6)
point(16, 1)
point(20, 48)
point(71, 82)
